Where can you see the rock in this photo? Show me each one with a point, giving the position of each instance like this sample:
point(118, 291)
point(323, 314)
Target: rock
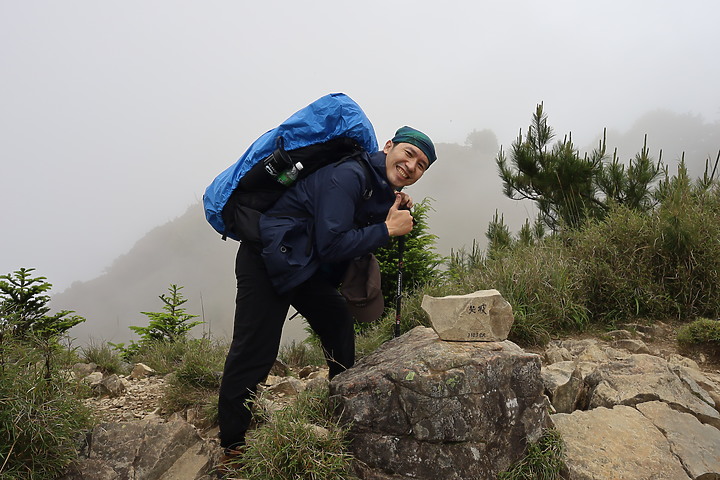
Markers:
point(600, 353)
point(609, 444)
point(93, 378)
point(619, 335)
point(279, 368)
point(643, 378)
point(140, 370)
point(696, 445)
point(554, 354)
point(424, 408)
point(287, 386)
point(272, 380)
point(479, 316)
point(566, 397)
point(82, 370)
point(143, 450)
point(322, 373)
point(306, 371)
point(317, 384)
point(631, 345)
point(111, 386)
point(709, 384)
point(679, 360)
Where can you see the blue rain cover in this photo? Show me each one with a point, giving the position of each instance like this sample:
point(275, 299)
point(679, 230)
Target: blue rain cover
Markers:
point(334, 115)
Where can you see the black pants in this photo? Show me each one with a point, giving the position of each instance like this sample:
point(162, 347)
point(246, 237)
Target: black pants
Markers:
point(259, 316)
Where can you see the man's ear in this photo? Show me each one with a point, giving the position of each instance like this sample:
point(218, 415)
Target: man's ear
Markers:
point(388, 146)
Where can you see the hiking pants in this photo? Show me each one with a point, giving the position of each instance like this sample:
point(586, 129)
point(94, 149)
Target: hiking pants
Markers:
point(259, 316)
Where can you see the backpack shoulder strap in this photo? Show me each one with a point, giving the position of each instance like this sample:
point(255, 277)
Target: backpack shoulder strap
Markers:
point(360, 157)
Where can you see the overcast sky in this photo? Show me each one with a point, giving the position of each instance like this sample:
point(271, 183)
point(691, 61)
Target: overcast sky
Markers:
point(115, 115)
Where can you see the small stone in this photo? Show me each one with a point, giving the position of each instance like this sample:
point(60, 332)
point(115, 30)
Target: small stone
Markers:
point(140, 370)
point(306, 371)
point(631, 345)
point(288, 386)
point(619, 334)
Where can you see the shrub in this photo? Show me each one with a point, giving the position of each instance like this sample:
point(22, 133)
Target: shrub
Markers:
point(540, 280)
point(196, 377)
point(660, 265)
point(42, 419)
point(104, 356)
point(164, 357)
point(300, 354)
point(701, 332)
point(615, 265)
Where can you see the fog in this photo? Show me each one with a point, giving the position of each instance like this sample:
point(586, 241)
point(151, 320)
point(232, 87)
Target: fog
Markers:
point(115, 116)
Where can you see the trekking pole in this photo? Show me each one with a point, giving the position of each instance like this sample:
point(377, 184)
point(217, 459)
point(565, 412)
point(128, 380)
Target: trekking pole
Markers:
point(398, 298)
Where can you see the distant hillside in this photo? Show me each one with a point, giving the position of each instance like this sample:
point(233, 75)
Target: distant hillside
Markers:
point(675, 134)
point(187, 252)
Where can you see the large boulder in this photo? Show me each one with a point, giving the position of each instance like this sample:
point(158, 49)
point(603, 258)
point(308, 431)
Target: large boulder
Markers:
point(426, 409)
point(607, 444)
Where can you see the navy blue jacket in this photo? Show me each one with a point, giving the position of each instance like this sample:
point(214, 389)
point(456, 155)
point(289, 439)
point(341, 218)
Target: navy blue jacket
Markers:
point(324, 219)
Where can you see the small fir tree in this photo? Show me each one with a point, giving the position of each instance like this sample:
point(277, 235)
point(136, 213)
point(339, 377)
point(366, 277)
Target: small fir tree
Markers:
point(24, 309)
point(172, 323)
point(420, 261)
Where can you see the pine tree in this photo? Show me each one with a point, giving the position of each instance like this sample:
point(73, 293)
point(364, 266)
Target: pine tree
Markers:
point(172, 323)
point(568, 188)
point(24, 309)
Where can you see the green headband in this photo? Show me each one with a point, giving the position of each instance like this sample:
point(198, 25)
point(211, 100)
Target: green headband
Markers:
point(416, 137)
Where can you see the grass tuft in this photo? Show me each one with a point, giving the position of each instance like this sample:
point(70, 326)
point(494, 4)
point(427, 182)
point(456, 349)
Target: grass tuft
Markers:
point(543, 461)
point(300, 442)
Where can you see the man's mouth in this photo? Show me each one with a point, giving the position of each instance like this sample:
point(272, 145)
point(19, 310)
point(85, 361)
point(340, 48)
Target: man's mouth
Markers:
point(403, 173)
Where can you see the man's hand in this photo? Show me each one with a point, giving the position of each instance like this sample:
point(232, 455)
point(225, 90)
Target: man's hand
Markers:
point(399, 221)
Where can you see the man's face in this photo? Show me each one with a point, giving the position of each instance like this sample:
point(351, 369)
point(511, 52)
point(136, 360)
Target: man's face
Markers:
point(405, 163)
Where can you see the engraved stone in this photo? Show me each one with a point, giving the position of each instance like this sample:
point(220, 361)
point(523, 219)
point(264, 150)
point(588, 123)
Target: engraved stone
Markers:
point(482, 316)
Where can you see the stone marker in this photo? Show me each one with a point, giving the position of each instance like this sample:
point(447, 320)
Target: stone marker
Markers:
point(482, 316)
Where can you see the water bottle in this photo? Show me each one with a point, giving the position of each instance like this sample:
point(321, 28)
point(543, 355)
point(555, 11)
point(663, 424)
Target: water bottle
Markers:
point(276, 162)
point(289, 176)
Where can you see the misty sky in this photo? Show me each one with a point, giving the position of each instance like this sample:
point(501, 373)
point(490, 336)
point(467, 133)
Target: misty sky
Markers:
point(115, 115)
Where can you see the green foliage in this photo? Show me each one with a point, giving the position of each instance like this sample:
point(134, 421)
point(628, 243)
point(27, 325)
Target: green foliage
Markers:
point(544, 460)
point(569, 189)
point(291, 446)
point(701, 332)
point(24, 308)
point(300, 354)
point(42, 419)
point(164, 357)
point(171, 324)
point(196, 376)
point(104, 356)
point(660, 265)
point(420, 261)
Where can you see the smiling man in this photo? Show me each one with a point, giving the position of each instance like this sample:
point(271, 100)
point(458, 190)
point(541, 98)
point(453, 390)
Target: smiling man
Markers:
point(340, 212)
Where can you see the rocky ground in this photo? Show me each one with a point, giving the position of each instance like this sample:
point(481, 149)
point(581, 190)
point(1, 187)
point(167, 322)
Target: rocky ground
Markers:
point(142, 393)
point(124, 399)
point(661, 340)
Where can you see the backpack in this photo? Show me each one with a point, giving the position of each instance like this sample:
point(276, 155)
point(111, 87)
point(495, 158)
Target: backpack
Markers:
point(330, 129)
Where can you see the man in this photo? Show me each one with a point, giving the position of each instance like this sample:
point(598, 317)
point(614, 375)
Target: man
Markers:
point(340, 212)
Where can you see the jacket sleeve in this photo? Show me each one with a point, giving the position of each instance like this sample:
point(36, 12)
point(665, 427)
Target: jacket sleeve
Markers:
point(338, 197)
